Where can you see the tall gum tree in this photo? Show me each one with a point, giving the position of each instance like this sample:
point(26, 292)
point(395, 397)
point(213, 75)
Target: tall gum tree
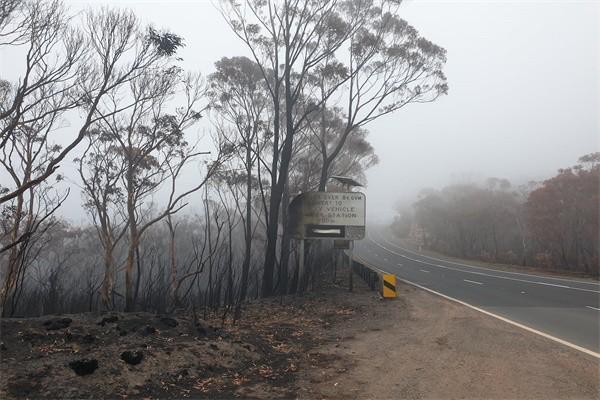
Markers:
point(148, 139)
point(239, 98)
point(385, 66)
point(287, 39)
point(67, 66)
point(293, 41)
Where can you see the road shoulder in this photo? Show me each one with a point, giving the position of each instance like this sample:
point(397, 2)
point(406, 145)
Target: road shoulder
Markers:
point(423, 346)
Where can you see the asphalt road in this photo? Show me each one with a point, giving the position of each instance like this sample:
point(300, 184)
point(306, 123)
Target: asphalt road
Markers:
point(567, 309)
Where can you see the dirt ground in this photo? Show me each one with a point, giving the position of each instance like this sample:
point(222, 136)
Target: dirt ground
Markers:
point(329, 344)
point(421, 346)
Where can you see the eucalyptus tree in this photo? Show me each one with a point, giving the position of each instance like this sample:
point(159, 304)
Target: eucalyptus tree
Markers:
point(100, 169)
point(287, 39)
point(27, 218)
point(68, 65)
point(31, 110)
point(563, 218)
point(239, 96)
point(147, 132)
point(52, 70)
point(353, 159)
point(385, 66)
point(313, 52)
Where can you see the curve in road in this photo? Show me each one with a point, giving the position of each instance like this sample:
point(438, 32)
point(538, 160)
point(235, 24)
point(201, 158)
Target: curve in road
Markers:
point(565, 310)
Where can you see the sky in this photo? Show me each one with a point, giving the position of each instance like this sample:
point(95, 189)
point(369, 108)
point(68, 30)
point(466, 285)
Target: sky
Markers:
point(524, 96)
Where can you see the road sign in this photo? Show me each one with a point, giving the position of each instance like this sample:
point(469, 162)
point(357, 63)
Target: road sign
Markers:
point(388, 289)
point(331, 208)
point(319, 215)
point(324, 231)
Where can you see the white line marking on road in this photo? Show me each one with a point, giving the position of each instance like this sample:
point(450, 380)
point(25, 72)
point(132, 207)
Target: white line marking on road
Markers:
point(547, 336)
point(477, 283)
point(593, 308)
point(484, 268)
point(484, 274)
point(423, 270)
point(552, 284)
point(400, 265)
point(527, 328)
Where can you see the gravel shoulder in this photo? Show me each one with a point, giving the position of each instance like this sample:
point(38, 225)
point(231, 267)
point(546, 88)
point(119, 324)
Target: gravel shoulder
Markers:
point(421, 346)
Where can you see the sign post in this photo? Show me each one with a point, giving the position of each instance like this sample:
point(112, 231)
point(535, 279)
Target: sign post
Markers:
point(301, 262)
point(350, 282)
point(328, 215)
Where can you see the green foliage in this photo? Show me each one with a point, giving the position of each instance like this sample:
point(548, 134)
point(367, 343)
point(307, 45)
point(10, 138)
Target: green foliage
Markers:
point(165, 43)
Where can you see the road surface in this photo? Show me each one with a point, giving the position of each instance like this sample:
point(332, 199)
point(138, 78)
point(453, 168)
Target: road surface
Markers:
point(567, 309)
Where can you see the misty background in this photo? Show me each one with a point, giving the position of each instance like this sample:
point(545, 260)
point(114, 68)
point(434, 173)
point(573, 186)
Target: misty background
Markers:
point(523, 99)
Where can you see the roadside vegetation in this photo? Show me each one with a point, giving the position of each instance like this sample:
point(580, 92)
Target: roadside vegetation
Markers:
point(552, 224)
point(110, 95)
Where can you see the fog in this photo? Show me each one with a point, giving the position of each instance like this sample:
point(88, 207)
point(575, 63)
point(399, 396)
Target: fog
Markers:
point(523, 98)
point(174, 210)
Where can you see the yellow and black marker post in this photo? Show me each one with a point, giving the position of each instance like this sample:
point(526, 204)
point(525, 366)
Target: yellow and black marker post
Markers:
point(389, 286)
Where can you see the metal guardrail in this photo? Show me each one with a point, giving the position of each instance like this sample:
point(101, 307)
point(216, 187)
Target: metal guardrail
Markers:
point(371, 277)
point(377, 279)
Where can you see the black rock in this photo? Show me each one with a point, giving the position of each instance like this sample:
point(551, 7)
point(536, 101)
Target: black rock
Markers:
point(57, 323)
point(170, 322)
point(204, 329)
point(148, 330)
point(3, 346)
point(108, 320)
point(132, 357)
point(84, 366)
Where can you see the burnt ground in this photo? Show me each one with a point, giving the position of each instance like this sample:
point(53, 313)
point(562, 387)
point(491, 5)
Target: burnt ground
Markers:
point(328, 344)
point(142, 355)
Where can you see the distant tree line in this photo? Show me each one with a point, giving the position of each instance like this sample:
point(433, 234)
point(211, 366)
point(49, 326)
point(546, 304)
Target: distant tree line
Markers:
point(108, 94)
point(552, 224)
